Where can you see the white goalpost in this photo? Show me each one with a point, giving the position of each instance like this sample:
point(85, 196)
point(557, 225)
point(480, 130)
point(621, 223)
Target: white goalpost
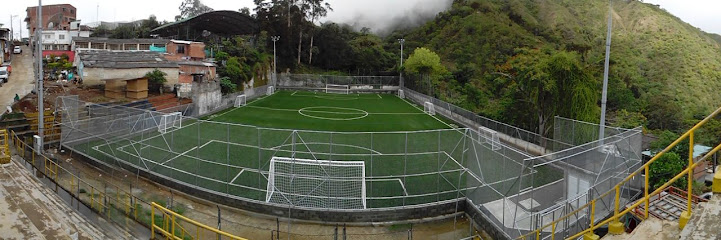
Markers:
point(270, 91)
point(428, 108)
point(335, 88)
point(317, 183)
point(240, 100)
point(401, 94)
point(170, 121)
point(486, 135)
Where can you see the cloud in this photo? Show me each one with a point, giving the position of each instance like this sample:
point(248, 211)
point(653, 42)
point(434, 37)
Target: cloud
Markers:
point(382, 17)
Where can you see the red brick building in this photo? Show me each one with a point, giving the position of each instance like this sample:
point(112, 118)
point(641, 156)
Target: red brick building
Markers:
point(55, 17)
point(185, 50)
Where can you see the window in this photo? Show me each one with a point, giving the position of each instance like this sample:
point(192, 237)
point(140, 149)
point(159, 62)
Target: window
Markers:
point(61, 36)
point(72, 11)
point(48, 36)
point(181, 49)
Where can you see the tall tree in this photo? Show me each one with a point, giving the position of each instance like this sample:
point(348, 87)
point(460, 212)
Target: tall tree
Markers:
point(552, 83)
point(191, 8)
point(316, 10)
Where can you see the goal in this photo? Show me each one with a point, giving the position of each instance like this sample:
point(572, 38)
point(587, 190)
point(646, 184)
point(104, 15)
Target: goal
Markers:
point(270, 91)
point(334, 88)
point(429, 108)
point(240, 101)
point(317, 183)
point(401, 94)
point(170, 121)
point(486, 135)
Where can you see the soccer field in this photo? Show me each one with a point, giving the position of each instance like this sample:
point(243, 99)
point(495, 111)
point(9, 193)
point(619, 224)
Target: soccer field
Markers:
point(406, 156)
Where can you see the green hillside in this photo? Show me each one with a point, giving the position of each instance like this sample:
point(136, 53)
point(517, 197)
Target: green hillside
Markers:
point(661, 67)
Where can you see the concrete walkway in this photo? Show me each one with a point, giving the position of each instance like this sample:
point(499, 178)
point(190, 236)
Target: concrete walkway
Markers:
point(21, 80)
point(30, 210)
point(705, 222)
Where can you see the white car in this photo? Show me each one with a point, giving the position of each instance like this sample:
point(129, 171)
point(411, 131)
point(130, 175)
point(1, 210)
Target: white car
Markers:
point(4, 74)
point(17, 50)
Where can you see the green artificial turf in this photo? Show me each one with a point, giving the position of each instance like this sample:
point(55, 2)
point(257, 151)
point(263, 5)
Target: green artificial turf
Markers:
point(410, 157)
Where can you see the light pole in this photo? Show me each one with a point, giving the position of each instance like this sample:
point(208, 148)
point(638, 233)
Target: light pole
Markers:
point(400, 69)
point(602, 124)
point(41, 107)
point(275, 69)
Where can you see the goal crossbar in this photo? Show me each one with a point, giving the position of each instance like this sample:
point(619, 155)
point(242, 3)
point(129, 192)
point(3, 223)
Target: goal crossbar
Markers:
point(317, 183)
point(337, 88)
point(240, 101)
point(170, 121)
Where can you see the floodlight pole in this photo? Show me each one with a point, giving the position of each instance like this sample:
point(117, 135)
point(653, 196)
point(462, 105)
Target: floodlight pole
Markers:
point(602, 124)
point(275, 69)
point(39, 45)
point(400, 69)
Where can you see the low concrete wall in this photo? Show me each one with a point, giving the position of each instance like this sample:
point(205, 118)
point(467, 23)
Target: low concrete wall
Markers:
point(206, 97)
point(97, 76)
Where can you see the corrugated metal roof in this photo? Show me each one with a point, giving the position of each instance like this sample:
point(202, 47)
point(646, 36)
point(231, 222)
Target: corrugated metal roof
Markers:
point(124, 60)
point(118, 41)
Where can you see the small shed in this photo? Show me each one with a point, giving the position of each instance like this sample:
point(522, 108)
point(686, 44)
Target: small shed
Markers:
point(115, 88)
point(137, 88)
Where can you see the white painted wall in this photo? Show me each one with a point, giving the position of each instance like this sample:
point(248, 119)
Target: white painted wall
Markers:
point(98, 76)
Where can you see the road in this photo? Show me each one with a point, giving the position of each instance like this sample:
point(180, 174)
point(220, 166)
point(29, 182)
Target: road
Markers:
point(21, 80)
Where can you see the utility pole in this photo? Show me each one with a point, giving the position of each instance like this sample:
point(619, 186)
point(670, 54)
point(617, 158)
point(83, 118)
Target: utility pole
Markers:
point(602, 124)
point(41, 107)
point(400, 69)
point(275, 69)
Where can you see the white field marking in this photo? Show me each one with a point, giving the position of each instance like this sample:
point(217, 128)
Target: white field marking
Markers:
point(391, 179)
point(320, 143)
point(365, 114)
point(181, 154)
point(379, 96)
point(205, 144)
point(434, 117)
point(236, 176)
point(349, 113)
point(247, 104)
point(296, 91)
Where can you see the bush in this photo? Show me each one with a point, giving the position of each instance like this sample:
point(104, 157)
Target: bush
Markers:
point(227, 86)
point(156, 78)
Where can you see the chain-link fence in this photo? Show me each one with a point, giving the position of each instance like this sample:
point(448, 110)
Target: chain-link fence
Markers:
point(553, 177)
point(520, 181)
point(355, 83)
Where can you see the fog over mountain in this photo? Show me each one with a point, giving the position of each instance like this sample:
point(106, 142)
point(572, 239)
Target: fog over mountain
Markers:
point(382, 16)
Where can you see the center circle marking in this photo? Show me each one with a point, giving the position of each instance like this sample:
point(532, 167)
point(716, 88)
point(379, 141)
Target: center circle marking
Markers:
point(308, 112)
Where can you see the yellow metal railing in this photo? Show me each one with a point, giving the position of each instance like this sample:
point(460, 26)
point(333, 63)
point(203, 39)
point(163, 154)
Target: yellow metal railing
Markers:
point(171, 228)
point(688, 171)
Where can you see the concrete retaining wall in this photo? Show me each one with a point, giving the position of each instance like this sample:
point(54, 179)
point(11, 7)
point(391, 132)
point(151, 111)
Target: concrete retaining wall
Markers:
point(206, 97)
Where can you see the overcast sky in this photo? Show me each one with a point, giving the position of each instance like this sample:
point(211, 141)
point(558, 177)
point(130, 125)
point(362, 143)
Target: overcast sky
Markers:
point(376, 14)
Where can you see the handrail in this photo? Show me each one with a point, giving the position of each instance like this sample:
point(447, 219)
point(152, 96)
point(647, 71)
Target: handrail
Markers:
point(687, 171)
point(175, 215)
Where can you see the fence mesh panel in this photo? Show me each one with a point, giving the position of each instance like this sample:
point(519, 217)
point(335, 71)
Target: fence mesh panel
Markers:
point(520, 184)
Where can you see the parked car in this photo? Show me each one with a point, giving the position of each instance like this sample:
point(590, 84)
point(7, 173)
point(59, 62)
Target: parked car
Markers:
point(17, 50)
point(4, 74)
point(8, 66)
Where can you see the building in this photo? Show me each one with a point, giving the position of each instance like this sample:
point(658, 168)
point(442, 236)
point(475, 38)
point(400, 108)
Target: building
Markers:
point(195, 71)
point(55, 17)
point(5, 44)
point(142, 44)
point(179, 50)
point(97, 67)
point(59, 42)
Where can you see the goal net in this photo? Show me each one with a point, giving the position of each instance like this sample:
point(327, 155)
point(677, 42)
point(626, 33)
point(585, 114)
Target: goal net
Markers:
point(317, 183)
point(486, 135)
point(170, 121)
point(401, 94)
point(429, 108)
point(240, 101)
point(334, 88)
point(270, 91)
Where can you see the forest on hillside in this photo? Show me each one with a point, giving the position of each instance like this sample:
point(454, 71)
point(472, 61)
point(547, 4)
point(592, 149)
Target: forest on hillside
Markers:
point(517, 61)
